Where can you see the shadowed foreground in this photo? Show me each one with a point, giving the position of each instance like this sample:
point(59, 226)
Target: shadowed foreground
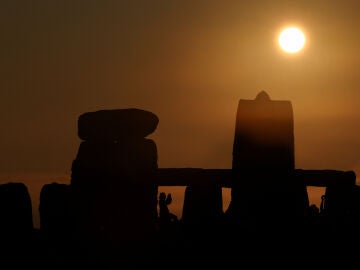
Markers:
point(111, 215)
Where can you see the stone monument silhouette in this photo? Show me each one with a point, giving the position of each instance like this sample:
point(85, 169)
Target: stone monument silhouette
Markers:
point(264, 194)
point(113, 176)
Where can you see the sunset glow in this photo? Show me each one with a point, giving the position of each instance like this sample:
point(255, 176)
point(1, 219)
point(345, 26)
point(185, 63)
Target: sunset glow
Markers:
point(175, 134)
point(292, 40)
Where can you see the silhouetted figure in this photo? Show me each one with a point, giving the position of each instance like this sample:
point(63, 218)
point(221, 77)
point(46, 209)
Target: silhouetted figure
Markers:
point(322, 205)
point(166, 218)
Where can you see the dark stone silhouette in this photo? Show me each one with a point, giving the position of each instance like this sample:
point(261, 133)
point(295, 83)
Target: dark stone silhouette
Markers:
point(113, 179)
point(111, 217)
point(203, 206)
point(264, 135)
point(340, 208)
point(263, 190)
point(56, 210)
point(15, 210)
point(19, 245)
point(57, 222)
point(117, 124)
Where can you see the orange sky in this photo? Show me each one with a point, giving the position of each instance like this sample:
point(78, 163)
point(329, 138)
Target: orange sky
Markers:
point(189, 62)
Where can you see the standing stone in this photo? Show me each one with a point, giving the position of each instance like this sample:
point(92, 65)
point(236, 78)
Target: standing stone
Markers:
point(263, 159)
point(113, 175)
point(56, 211)
point(202, 206)
point(15, 210)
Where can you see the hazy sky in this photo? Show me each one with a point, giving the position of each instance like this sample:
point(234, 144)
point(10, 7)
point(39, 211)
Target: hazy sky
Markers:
point(189, 62)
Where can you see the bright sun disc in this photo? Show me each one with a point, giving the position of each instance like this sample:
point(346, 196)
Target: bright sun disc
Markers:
point(291, 40)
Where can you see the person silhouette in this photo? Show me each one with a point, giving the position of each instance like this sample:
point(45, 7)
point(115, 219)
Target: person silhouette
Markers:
point(166, 218)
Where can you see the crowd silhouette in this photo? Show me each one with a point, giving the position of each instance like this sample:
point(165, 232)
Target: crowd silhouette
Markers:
point(111, 215)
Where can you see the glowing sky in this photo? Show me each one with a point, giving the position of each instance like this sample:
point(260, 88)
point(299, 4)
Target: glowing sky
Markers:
point(187, 61)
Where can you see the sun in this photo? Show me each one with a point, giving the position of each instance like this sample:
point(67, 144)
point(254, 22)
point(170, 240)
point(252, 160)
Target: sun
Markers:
point(292, 40)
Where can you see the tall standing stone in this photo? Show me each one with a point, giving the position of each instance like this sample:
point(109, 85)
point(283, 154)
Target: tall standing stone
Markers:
point(263, 159)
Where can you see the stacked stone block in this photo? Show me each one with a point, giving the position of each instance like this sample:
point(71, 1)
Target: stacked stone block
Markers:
point(113, 175)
